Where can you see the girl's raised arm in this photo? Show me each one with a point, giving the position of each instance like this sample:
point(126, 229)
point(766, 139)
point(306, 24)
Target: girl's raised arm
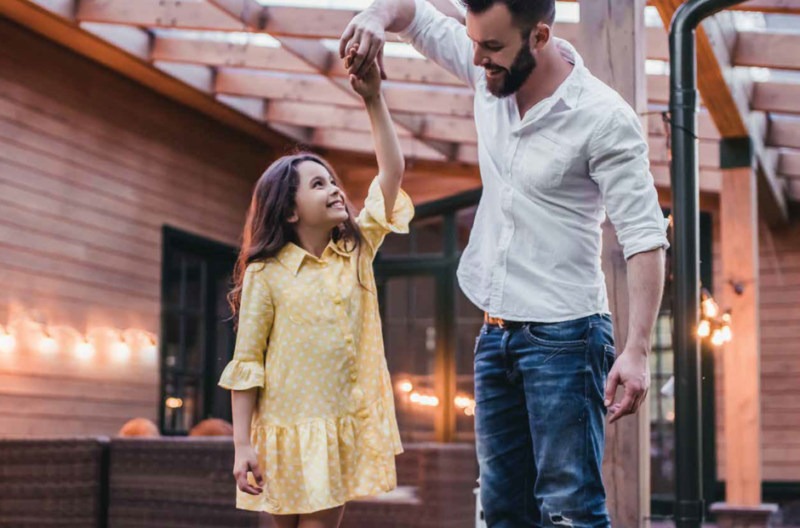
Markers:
point(391, 163)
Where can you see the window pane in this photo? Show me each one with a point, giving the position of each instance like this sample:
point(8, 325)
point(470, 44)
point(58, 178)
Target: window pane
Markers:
point(469, 320)
point(410, 332)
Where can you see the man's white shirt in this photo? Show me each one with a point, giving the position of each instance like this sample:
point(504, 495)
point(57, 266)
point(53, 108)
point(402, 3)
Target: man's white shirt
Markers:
point(548, 181)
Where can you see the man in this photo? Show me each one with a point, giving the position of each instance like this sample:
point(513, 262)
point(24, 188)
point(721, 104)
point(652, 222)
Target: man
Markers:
point(557, 150)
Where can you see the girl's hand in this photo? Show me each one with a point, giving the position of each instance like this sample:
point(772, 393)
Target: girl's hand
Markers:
point(369, 86)
point(244, 463)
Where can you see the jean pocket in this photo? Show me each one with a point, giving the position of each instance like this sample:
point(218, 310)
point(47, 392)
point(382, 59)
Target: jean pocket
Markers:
point(478, 341)
point(609, 356)
point(568, 335)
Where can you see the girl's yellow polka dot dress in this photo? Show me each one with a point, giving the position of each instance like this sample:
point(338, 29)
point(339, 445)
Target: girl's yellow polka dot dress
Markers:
point(310, 338)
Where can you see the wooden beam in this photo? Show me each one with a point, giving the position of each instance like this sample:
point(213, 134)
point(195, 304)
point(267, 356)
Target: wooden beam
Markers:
point(784, 132)
point(362, 142)
point(70, 35)
point(315, 89)
point(725, 93)
point(158, 13)
point(617, 31)
point(768, 50)
point(134, 40)
point(789, 164)
point(779, 97)
point(228, 54)
point(739, 230)
point(443, 128)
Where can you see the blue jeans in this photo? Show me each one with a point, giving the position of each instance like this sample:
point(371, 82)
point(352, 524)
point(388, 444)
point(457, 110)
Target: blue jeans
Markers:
point(540, 422)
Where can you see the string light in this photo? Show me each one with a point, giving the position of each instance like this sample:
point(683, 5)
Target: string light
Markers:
point(713, 324)
point(405, 386)
point(121, 347)
point(174, 403)
point(465, 403)
point(48, 344)
point(426, 401)
point(704, 330)
point(121, 350)
point(7, 341)
point(85, 350)
point(710, 308)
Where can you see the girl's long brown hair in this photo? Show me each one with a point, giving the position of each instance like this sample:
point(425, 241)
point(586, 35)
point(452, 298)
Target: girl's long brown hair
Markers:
point(266, 229)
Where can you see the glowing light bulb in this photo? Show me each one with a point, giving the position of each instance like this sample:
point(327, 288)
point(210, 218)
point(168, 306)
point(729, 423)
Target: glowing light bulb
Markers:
point(174, 403)
point(415, 397)
point(85, 350)
point(405, 386)
point(462, 402)
point(121, 351)
point(710, 308)
point(48, 345)
point(704, 329)
point(727, 335)
point(7, 342)
point(726, 317)
point(717, 339)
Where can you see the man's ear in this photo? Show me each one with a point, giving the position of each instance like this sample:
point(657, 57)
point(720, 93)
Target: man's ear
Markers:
point(540, 36)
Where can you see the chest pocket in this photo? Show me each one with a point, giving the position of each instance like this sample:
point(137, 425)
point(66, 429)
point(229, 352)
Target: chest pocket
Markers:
point(541, 162)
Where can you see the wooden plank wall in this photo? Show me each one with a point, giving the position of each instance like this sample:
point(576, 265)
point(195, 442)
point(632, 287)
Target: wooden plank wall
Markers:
point(780, 353)
point(91, 167)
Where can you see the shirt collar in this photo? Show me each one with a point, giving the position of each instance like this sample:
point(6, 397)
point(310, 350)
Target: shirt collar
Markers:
point(571, 88)
point(292, 256)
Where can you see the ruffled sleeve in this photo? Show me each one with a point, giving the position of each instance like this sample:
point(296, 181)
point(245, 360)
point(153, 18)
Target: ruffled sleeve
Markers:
point(256, 313)
point(373, 222)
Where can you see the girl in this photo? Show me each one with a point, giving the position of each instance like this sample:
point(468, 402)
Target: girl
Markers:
point(313, 411)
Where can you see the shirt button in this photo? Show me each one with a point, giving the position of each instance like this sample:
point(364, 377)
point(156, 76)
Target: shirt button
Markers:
point(353, 377)
point(348, 340)
point(337, 300)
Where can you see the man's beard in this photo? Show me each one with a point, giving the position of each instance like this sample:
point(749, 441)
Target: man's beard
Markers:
point(522, 67)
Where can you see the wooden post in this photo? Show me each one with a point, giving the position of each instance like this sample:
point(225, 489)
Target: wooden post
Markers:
point(741, 357)
point(617, 57)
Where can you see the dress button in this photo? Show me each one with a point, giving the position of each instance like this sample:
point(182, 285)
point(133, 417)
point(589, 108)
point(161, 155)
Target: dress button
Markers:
point(348, 340)
point(353, 377)
point(337, 300)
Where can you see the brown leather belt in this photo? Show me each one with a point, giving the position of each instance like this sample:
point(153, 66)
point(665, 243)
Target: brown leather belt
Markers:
point(502, 323)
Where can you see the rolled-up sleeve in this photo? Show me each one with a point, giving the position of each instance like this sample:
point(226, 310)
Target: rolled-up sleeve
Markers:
point(443, 40)
point(256, 313)
point(618, 163)
point(372, 219)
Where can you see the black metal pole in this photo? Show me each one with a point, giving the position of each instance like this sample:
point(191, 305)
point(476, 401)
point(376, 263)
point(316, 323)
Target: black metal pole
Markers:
point(689, 505)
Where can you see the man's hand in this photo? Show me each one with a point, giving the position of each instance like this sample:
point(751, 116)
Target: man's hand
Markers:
point(366, 32)
point(631, 370)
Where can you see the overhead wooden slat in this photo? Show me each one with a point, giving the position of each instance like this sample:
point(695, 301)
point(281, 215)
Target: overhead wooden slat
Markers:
point(784, 132)
point(768, 50)
point(362, 142)
point(134, 40)
point(789, 164)
point(234, 55)
point(192, 14)
point(777, 97)
point(67, 33)
point(269, 85)
point(201, 77)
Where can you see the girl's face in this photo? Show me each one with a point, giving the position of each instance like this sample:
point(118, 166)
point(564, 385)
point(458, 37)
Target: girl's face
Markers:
point(319, 201)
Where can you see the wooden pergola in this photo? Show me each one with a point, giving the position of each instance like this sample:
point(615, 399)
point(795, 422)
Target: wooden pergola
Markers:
point(291, 87)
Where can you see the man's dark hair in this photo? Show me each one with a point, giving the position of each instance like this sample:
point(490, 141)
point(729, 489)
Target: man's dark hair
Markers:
point(525, 13)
